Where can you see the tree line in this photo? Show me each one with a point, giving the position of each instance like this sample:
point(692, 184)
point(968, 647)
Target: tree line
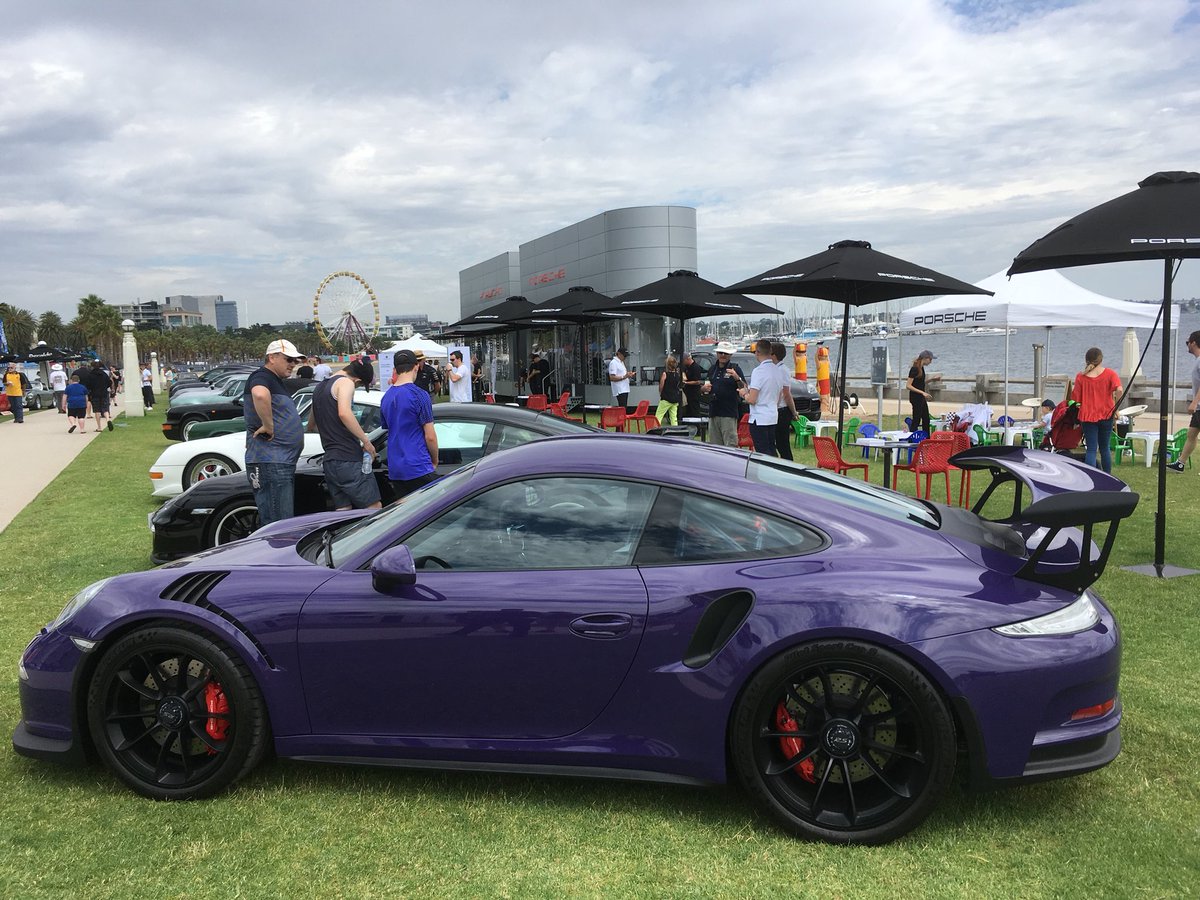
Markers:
point(96, 329)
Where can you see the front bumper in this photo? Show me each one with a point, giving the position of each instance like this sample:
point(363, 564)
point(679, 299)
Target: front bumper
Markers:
point(169, 483)
point(48, 728)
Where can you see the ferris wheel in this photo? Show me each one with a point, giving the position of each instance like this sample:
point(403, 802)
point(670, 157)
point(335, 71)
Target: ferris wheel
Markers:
point(345, 313)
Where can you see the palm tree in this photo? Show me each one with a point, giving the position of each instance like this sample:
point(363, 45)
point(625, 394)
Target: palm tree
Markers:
point(19, 326)
point(50, 328)
point(102, 325)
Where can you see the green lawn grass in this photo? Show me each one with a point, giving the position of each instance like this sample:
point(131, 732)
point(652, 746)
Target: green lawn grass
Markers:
point(1129, 830)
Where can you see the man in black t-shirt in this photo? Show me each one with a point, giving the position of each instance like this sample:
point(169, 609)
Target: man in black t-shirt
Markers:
point(539, 369)
point(99, 386)
point(725, 379)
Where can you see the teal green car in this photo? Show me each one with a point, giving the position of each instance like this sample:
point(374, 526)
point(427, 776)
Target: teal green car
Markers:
point(197, 429)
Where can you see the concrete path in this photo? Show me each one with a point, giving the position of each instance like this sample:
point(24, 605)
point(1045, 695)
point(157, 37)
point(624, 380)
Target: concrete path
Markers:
point(35, 452)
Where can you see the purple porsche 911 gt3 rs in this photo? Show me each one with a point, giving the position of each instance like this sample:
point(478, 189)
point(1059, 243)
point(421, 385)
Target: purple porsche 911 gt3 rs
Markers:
point(621, 607)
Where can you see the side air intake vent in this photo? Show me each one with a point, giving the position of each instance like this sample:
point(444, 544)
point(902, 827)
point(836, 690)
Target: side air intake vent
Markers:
point(193, 588)
point(721, 619)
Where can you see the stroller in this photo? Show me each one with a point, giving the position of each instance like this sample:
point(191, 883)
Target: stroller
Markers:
point(1065, 432)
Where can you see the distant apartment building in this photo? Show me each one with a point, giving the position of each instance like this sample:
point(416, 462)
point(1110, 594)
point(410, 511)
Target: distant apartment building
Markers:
point(143, 314)
point(211, 309)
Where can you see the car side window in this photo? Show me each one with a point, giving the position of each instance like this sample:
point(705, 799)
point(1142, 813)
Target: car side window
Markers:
point(369, 417)
point(461, 442)
point(538, 523)
point(692, 528)
point(515, 436)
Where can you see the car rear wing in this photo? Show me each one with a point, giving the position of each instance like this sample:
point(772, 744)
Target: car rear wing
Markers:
point(1063, 493)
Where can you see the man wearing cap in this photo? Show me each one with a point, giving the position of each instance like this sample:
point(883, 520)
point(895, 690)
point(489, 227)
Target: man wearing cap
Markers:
point(274, 434)
point(725, 380)
point(618, 375)
point(408, 413)
point(16, 384)
point(58, 384)
point(917, 395)
point(343, 441)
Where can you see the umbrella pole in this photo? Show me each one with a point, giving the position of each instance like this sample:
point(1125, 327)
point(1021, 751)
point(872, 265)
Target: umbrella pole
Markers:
point(1164, 399)
point(1006, 369)
point(845, 362)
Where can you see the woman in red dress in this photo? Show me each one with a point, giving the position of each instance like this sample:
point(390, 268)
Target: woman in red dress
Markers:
point(1096, 390)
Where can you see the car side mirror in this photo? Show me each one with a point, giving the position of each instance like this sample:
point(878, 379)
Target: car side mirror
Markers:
point(392, 569)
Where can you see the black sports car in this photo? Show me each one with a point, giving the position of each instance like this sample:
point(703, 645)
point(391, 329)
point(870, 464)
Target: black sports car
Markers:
point(804, 394)
point(219, 510)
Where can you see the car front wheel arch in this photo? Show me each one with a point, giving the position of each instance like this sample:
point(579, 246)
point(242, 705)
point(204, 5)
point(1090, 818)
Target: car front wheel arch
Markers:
point(843, 741)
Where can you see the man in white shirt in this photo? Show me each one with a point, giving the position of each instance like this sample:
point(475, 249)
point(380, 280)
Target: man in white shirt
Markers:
point(147, 387)
point(58, 384)
point(459, 374)
point(618, 376)
point(321, 370)
point(763, 397)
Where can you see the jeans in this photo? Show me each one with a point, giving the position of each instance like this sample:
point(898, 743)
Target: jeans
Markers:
point(1098, 435)
point(274, 486)
point(764, 439)
point(16, 405)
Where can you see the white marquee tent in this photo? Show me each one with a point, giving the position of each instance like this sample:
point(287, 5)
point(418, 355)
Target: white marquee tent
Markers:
point(429, 348)
point(1045, 299)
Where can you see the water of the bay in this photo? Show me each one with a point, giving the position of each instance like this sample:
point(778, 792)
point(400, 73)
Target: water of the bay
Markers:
point(962, 356)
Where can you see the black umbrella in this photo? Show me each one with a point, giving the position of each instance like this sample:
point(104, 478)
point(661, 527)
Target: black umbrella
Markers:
point(685, 295)
point(1160, 220)
point(851, 273)
point(499, 315)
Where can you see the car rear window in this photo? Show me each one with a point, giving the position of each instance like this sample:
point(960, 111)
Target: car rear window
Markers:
point(849, 492)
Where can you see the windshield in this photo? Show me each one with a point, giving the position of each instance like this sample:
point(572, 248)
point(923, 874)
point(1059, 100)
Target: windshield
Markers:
point(826, 485)
point(352, 539)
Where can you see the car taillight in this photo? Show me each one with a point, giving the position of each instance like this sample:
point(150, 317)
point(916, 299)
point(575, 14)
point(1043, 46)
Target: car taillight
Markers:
point(1091, 712)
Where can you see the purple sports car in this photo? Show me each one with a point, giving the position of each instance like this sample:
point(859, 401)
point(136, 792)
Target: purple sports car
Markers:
point(619, 607)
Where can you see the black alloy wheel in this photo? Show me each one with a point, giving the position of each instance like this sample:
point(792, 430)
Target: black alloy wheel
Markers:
point(235, 520)
point(176, 715)
point(843, 741)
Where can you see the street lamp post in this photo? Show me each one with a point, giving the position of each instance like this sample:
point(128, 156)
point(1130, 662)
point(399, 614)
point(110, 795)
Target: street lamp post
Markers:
point(132, 375)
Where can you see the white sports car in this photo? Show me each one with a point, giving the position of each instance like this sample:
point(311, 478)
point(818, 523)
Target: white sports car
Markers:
point(186, 462)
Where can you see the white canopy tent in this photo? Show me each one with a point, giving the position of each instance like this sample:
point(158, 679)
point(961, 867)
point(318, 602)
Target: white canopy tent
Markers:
point(1043, 299)
point(426, 346)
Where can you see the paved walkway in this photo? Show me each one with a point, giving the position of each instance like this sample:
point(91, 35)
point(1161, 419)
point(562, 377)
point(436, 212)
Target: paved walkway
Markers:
point(35, 452)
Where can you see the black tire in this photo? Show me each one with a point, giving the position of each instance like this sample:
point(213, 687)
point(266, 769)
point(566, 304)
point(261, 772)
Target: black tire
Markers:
point(150, 721)
point(232, 522)
point(210, 465)
point(844, 742)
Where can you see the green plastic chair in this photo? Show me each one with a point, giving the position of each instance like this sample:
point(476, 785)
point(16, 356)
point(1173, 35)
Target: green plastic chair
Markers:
point(1121, 446)
point(850, 433)
point(1175, 446)
point(985, 439)
point(802, 431)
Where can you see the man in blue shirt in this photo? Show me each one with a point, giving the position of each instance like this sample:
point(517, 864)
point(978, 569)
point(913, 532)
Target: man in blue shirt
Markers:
point(274, 433)
point(411, 442)
point(725, 380)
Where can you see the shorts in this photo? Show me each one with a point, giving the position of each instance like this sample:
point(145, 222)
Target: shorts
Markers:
point(406, 487)
point(99, 402)
point(1195, 423)
point(347, 484)
point(78, 413)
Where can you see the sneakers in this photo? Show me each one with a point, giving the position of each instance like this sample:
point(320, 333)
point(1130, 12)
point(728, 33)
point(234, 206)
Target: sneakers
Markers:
point(71, 429)
point(1176, 466)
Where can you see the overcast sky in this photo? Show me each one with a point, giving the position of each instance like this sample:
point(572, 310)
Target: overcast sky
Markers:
point(249, 148)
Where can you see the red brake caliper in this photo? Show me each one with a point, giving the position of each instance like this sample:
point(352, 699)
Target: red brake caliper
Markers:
point(793, 746)
point(215, 702)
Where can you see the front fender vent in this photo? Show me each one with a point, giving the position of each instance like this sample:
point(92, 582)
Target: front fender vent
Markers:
point(193, 588)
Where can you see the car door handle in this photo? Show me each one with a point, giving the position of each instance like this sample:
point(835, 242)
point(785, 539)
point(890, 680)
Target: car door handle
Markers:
point(602, 625)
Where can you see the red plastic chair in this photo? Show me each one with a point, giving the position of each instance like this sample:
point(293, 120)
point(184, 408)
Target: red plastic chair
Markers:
point(931, 458)
point(639, 415)
point(961, 441)
point(537, 401)
point(744, 439)
point(829, 457)
point(613, 417)
point(489, 398)
point(651, 422)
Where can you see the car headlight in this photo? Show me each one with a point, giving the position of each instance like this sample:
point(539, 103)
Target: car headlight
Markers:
point(1079, 616)
point(78, 602)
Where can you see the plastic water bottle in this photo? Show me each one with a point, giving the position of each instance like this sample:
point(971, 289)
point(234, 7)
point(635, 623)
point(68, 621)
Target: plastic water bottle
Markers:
point(366, 466)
